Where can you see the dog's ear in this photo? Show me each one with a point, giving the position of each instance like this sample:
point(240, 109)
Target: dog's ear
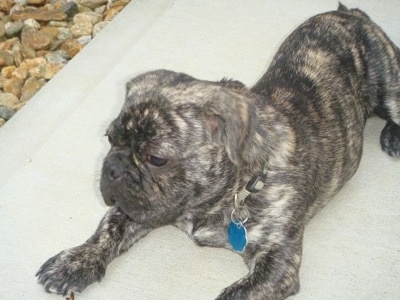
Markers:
point(231, 120)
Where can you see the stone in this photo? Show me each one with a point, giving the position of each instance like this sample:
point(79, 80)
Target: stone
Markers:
point(84, 40)
point(93, 17)
point(52, 69)
point(52, 32)
point(55, 44)
point(27, 52)
point(21, 2)
point(36, 2)
point(100, 9)
point(21, 73)
point(83, 25)
point(34, 62)
point(16, 8)
point(13, 86)
point(119, 3)
point(32, 23)
point(83, 9)
point(70, 9)
point(35, 39)
point(30, 88)
point(112, 12)
point(6, 113)
point(2, 31)
point(5, 6)
point(57, 24)
point(99, 27)
point(20, 105)
point(64, 34)
point(38, 15)
point(71, 47)
point(6, 58)
point(8, 44)
point(38, 71)
point(42, 53)
point(93, 3)
point(16, 52)
point(8, 99)
point(13, 29)
point(2, 79)
point(17, 58)
point(57, 57)
point(6, 72)
point(59, 3)
point(2, 122)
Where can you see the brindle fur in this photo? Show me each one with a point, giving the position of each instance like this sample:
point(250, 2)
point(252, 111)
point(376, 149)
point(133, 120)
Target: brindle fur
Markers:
point(305, 117)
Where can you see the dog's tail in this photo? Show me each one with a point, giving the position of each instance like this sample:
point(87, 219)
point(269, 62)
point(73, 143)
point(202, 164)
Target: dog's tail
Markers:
point(384, 81)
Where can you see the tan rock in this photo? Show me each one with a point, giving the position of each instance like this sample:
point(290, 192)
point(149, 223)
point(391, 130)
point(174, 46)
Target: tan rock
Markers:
point(57, 24)
point(72, 47)
point(34, 62)
point(119, 3)
point(8, 44)
point(32, 23)
point(52, 32)
point(38, 71)
point(52, 69)
point(21, 72)
point(99, 27)
point(2, 31)
point(35, 39)
point(6, 72)
point(6, 58)
point(36, 2)
point(13, 86)
point(19, 105)
point(92, 3)
point(2, 122)
point(17, 58)
point(91, 16)
point(8, 99)
point(82, 25)
point(38, 14)
point(31, 87)
point(112, 12)
point(5, 6)
point(27, 52)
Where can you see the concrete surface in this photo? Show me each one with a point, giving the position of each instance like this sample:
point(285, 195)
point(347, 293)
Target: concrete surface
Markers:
point(51, 153)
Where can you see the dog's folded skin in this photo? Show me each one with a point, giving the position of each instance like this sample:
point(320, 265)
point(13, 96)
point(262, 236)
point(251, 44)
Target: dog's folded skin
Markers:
point(181, 149)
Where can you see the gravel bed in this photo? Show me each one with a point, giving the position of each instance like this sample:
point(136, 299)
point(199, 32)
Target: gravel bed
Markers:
point(39, 37)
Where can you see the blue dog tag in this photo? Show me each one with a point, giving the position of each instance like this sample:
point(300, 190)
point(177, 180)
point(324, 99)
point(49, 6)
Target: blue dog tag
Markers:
point(237, 236)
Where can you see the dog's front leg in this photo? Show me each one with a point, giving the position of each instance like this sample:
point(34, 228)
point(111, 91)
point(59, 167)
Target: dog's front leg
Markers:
point(273, 275)
point(74, 269)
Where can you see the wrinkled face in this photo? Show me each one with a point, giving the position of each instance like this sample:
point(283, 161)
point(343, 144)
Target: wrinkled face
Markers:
point(167, 150)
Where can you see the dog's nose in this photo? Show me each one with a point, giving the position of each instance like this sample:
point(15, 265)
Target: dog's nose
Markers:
point(115, 171)
point(109, 201)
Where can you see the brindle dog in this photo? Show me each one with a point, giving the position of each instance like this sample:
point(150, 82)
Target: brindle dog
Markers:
point(199, 154)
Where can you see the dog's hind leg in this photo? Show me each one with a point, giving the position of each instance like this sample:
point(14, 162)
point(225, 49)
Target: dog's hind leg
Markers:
point(390, 139)
point(389, 106)
point(389, 109)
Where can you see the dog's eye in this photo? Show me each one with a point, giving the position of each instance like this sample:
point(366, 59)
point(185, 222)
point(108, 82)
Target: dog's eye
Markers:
point(156, 161)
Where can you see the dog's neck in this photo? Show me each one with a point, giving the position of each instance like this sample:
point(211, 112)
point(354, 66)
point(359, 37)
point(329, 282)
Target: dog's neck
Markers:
point(254, 185)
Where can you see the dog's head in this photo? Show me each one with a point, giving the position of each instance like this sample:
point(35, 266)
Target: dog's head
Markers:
point(178, 143)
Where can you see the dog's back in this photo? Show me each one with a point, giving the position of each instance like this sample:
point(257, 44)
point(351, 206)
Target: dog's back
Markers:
point(330, 74)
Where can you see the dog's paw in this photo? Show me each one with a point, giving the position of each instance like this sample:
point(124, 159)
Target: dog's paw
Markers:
point(390, 139)
point(72, 270)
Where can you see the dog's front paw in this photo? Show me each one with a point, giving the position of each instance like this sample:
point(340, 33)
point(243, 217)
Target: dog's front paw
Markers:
point(72, 270)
